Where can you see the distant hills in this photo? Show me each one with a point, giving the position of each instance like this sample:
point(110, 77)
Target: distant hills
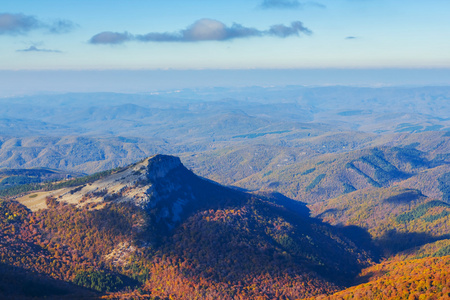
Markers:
point(379, 110)
point(75, 153)
point(307, 174)
point(55, 130)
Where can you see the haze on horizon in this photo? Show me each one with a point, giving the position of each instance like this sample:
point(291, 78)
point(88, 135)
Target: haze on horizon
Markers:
point(141, 46)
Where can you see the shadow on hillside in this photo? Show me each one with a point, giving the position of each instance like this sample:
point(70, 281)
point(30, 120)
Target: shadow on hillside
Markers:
point(290, 204)
point(393, 242)
point(358, 235)
point(362, 238)
point(355, 235)
point(409, 195)
point(18, 283)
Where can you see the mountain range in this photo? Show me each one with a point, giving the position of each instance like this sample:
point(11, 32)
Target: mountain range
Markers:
point(299, 194)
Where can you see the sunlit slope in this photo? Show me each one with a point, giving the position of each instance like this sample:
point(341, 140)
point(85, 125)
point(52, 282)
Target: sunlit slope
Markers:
point(426, 278)
point(306, 174)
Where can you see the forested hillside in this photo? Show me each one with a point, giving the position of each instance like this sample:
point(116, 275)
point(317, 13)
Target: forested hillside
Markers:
point(205, 239)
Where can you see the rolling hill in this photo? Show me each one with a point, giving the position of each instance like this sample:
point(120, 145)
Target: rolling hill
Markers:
point(306, 174)
point(196, 121)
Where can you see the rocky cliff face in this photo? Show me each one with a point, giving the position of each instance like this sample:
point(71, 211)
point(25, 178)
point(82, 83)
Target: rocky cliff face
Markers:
point(159, 166)
point(156, 183)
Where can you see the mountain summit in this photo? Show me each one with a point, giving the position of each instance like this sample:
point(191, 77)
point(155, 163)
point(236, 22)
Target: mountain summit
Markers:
point(159, 184)
point(184, 237)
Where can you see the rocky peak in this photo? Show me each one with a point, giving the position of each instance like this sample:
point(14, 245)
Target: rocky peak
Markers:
point(159, 183)
point(160, 165)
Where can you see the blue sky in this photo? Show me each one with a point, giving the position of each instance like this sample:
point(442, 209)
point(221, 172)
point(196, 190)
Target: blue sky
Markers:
point(212, 34)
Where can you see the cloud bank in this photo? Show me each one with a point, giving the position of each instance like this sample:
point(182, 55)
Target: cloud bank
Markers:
point(108, 37)
point(35, 49)
point(203, 30)
point(20, 24)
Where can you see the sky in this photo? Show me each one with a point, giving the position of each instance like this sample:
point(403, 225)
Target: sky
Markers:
point(212, 34)
point(106, 35)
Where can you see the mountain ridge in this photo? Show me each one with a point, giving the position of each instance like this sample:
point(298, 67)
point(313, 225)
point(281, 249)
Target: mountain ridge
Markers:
point(156, 212)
